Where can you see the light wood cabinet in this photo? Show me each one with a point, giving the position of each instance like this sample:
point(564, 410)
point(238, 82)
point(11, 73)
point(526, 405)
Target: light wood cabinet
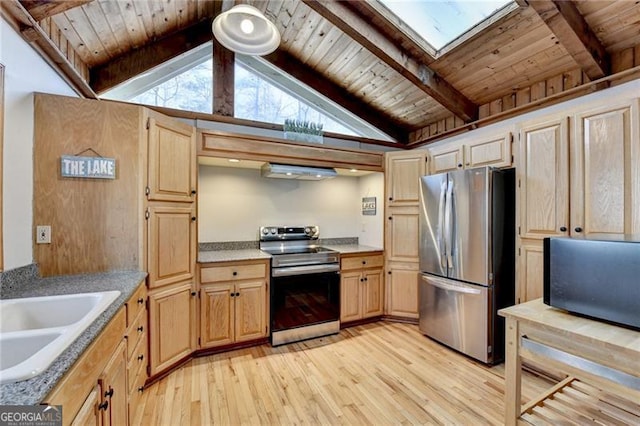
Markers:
point(90, 413)
point(361, 286)
point(233, 302)
point(172, 160)
point(113, 388)
point(466, 154)
point(137, 348)
point(401, 175)
point(171, 325)
point(402, 235)
point(530, 270)
point(402, 290)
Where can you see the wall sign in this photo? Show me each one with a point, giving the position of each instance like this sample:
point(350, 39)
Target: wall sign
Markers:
point(369, 206)
point(87, 167)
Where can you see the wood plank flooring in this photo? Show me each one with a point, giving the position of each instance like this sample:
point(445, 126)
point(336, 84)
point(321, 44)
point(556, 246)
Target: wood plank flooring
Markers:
point(379, 373)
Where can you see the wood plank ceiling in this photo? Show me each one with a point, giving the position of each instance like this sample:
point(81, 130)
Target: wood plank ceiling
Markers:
point(357, 53)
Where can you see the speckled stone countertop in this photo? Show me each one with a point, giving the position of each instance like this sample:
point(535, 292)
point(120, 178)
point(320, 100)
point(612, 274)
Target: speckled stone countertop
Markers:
point(33, 391)
point(252, 254)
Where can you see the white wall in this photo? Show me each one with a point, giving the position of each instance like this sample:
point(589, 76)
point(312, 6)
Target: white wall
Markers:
point(25, 73)
point(372, 227)
point(233, 203)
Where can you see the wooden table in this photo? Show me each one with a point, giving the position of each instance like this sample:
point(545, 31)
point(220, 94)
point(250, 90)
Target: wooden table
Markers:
point(600, 359)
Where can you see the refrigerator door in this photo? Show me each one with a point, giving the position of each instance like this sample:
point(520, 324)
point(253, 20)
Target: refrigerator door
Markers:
point(433, 190)
point(469, 241)
point(456, 314)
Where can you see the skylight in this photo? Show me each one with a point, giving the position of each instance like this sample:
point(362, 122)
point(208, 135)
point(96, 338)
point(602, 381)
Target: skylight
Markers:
point(439, 22)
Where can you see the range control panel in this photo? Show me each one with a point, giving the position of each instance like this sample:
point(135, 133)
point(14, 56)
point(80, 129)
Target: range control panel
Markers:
point(276, 233)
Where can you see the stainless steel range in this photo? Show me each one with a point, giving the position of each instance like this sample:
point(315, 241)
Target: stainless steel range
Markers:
point(305, 284)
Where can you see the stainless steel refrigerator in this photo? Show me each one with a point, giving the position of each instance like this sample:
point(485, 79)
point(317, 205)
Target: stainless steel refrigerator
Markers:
point(467, 259)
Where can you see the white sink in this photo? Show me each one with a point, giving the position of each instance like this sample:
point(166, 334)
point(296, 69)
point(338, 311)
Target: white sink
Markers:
point(34, 331)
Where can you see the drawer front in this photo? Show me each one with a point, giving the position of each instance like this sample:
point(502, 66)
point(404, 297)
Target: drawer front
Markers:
point(359, 262)
point(135, 304)
point(138, 364)
point(232, 272)
point(135, 394)
point(136, 333)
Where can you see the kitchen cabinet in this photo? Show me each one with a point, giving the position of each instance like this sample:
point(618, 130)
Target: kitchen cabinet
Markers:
point(137, 348)
point(489, 151)
point(361, 286)
point(90, 413)
point(402, 290)
point(113, 388)
point(401, 177)
point(402, 234)
point(233, 302)
point(575, 183)
point(171, 325)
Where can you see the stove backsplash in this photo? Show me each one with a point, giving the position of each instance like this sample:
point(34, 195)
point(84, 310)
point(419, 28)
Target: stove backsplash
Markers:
point(242, 245)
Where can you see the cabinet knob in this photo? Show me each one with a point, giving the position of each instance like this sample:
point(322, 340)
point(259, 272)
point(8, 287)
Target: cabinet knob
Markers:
point(140, 389)
point(103, 406)
point(193, 219)
point(361, 279)
point(140, 301)
point(237, 294)
point(578, 229)
point(390, 217)
point(389, 272)
point(467, 164)
point(364, 262)
point(563, 229)
point(109, 393)
point(365, 278)
point(193, 293)
point(140, 329)
point(459, 165)
point(390, 198)
point(235, 273)
point(193, 192)
point(140, 357)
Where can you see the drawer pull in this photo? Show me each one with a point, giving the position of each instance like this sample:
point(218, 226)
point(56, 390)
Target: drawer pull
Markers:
point(140, 357)
point(140, 301)
point(103, 406)
point(235, 273)
point(140, 389)
point(109, 393)
point(140, 329)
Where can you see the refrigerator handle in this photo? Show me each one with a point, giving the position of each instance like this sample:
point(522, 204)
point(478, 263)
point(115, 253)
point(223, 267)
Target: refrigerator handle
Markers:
point(442, 237)
point(447, 225)
point(452, 287)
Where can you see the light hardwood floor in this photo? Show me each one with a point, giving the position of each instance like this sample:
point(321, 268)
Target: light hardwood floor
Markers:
point(379, 373)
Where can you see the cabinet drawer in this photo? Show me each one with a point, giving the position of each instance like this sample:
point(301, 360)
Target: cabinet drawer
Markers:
point(135, 393)
point(359, 262)
point(233, 272)
point(136, 332)
point(136, 303)
point(137, 364)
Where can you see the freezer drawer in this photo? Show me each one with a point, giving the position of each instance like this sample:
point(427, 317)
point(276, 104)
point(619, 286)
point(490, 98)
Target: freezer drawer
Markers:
point(456, 314)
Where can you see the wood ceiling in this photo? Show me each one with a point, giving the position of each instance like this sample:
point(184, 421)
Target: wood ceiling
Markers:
point(353, 52)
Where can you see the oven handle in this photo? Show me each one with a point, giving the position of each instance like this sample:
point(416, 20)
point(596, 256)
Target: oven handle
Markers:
point(303, 270)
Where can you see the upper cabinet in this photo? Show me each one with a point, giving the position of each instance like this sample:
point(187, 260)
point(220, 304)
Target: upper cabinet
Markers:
point(489, 151)
point(172, 158)
point(401, 174)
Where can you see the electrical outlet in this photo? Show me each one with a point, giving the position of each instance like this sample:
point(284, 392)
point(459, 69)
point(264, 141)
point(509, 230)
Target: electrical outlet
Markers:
point(43, 234)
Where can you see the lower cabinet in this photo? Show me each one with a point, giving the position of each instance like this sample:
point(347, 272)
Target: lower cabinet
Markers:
point(530, 270)
point(171, 314)
point(233, 302)
point(402, 290)
point(361, 286)
point(113, 389)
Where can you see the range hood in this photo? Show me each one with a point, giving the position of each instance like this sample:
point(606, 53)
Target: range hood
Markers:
point(286, 171)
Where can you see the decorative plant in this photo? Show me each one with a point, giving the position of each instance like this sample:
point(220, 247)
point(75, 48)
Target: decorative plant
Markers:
point(299, 126)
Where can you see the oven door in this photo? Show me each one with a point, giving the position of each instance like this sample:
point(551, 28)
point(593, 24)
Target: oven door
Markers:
point(305, 302)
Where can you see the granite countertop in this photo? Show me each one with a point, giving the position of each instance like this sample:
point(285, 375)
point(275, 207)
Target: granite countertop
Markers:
point(209, 256)
point(33, 391)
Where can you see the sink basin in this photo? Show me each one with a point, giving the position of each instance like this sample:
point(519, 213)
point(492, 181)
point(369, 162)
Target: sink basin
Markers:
point(35, 331)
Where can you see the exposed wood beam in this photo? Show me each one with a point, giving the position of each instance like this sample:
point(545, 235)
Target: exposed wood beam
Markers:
point(342, 16)
point(137, 61)
point(41, 9)
point(31, 31)
point(321, 84)
point(223, 71)
point(565, 21)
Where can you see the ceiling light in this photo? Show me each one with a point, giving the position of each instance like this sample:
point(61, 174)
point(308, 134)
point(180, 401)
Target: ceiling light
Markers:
point(244, 29)
point(234, 160)
point(353, 170)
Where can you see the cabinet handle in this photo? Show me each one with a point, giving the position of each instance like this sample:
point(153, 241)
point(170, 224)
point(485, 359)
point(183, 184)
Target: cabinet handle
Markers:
point(390, 217)
point(193, 219)
point(361, 279)
point(467, 164)
point(140, 329)
point(563, 229)
point(365, 278)
point(237, 294)
point(364, 262)
point(103, 406)
point(109, 393)
point(578, 229)
point(459, 164)
point(390, 198)
point(140, 357)
point(389, 272)
point(234, 273)
point(140, 389)
point(140, 301)
point(193, 192)
point(193, 293)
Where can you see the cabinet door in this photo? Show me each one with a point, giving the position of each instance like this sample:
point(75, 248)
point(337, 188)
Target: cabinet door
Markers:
point(113, 386)
point(172, 244)
point(402, 177)
point(543, 179)
point(402, 291)
point(172, 161)
point(402, 234)
point(217, 313)
point(605, 179)
point(251, 310)
point(530, 270)
point(446, 159)
point(89, 414)
point(171, 325)
point(372, 294)
point(350, 286)
point(495, 152)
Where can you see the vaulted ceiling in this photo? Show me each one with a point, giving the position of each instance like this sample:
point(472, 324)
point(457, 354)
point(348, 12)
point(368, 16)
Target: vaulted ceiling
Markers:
point(357, 53)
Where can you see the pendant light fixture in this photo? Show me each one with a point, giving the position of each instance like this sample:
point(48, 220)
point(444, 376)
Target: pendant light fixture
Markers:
point(244, 29)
